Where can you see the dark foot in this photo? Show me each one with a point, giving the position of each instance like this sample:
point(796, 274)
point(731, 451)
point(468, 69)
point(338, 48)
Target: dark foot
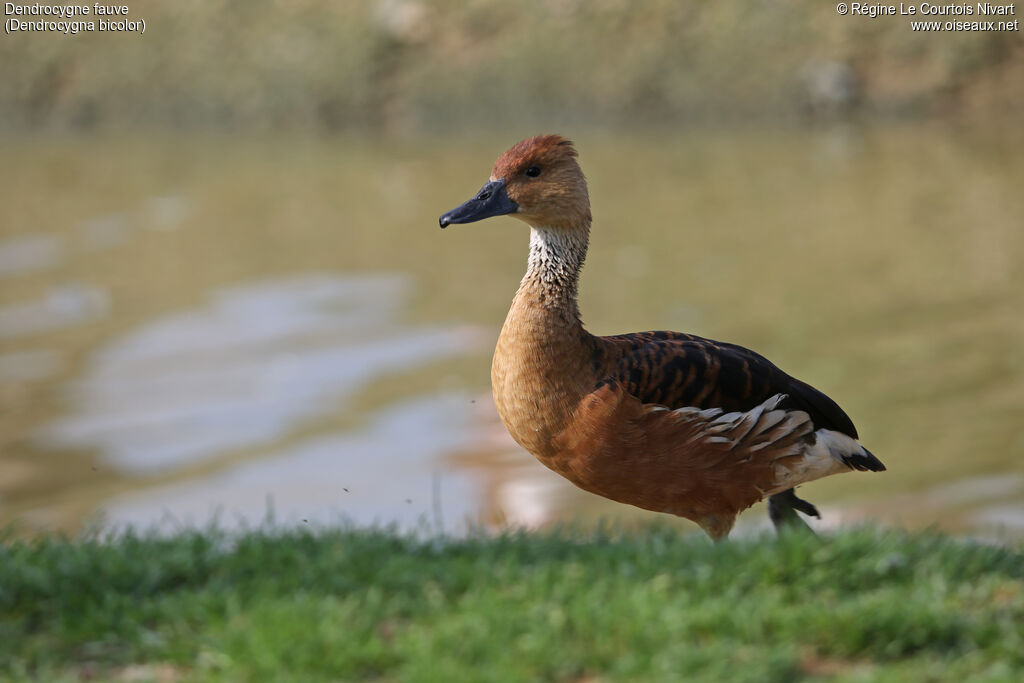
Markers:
point(783, 508)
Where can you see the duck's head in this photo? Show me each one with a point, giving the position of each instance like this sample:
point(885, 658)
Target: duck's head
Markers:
point(537, 181)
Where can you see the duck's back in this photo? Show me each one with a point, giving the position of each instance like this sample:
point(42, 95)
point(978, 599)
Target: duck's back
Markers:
point(680, 370)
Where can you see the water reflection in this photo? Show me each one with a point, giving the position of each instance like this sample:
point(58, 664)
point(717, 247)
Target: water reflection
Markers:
point(103, 232)
point(247, 368)
point(62, 306)
point(166, 212)
point(29, 253)
point(386, 473)
point(28, 366)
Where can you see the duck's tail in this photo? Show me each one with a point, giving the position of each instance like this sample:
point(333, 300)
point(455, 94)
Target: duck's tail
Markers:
point(832, 452)
point(865, 461)
point(847, 450)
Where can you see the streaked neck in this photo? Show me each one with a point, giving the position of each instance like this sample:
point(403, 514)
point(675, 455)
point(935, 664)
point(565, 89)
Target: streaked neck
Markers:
point(553, 270)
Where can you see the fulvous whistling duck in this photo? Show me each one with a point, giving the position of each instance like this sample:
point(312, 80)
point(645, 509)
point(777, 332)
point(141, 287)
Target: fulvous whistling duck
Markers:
point(664, 421)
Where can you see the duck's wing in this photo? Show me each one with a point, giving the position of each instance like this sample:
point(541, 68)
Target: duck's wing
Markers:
point(686, 371)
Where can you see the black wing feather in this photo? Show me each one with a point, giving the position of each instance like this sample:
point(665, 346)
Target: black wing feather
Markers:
point(679, 370)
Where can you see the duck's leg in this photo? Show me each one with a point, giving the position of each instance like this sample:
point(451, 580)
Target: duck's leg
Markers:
point(783, 507)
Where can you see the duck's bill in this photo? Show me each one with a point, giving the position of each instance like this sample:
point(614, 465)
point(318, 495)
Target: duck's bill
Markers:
point(491, 200)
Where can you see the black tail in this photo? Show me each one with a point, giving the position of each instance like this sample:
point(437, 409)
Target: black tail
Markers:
point(866, 462)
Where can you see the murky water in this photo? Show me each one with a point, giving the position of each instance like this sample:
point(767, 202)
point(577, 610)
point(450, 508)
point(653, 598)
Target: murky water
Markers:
point(247, 368)
point(235, 328)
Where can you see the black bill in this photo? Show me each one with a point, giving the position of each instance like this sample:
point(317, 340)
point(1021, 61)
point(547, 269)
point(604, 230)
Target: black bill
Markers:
point(491, 200)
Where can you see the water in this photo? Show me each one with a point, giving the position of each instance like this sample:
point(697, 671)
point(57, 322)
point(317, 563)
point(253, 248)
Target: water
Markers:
point(247, 368)
point(389, 472)
point(249, 327)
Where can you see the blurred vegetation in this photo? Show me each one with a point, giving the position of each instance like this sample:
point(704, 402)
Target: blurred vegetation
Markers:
point(399, 65)
point(354, 605)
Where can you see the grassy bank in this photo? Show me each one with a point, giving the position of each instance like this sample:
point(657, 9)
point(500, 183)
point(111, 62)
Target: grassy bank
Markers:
point(347, 605)
point(410, 65)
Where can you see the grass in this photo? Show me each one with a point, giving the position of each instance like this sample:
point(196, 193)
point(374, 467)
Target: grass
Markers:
point(372, 605)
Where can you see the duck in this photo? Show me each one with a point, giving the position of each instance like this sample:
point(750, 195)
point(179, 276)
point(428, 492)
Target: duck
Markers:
point(665, 421)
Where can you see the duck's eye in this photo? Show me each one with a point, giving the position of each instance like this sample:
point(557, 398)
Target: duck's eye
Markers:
point(533, 171)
